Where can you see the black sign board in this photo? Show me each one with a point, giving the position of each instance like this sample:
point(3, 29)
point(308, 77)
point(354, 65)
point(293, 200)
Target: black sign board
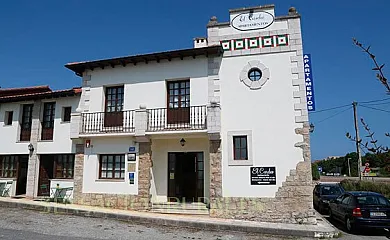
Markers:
point(263, 176)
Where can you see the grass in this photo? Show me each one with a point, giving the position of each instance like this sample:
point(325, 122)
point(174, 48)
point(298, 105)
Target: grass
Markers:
point(379, 187)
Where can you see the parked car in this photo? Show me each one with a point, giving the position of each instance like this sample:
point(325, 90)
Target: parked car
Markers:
point(323, 193)
point(361, 210)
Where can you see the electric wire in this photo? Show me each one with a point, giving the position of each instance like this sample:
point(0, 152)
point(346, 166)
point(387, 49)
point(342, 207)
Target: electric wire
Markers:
point(334, 115)
point(332, 108)
point(380, 100)
point(373, 108)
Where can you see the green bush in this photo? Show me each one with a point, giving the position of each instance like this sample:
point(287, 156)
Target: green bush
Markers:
point(379, 187)
point(314, 171)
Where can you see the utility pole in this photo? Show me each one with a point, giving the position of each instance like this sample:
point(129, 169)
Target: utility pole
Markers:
point(349, 168)
point(354, 104)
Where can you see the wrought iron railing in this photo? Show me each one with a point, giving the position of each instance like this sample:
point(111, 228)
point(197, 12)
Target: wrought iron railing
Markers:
point(171, 119)
point(108, 122)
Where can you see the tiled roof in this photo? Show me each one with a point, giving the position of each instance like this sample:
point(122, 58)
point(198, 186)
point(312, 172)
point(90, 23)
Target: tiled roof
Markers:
point(25, 94)
point(24, 90)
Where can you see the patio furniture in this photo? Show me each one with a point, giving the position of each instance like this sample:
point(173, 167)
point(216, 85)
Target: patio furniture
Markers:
point(4, 191)
point(61, 194)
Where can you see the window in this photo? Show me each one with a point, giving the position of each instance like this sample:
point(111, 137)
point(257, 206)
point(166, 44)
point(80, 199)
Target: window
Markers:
point(112, 166)
point(8, 117)
point(113, 116)
point(179, 94)
point(63, 166)
point(48, 120)
point(25, 132)
point(66, 114)
point(346, 200)
point(240, 148)
point(255, 74)
point(114, 99)
point(372, 200)
point(8, 166)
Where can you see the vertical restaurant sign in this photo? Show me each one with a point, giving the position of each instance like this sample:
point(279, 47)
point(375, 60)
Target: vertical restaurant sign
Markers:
point(311, 105)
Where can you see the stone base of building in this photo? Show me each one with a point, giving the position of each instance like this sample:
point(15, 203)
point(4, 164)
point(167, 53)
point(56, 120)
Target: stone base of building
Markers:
point(293, 202)
point(117, 201)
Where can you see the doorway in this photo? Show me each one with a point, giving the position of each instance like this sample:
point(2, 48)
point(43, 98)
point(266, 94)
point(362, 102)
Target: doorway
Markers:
point(185, 177)
point(46, 165)
point(21, 182)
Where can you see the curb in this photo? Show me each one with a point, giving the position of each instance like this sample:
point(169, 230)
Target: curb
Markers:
point(187, 223)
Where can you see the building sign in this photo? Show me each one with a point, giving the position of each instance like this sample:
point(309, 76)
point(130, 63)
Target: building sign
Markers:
point(252, 21)
point(263, 176)
point(311, 105)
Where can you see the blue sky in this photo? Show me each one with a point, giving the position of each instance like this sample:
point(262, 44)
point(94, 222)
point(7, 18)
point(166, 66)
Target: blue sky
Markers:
point(38, 37)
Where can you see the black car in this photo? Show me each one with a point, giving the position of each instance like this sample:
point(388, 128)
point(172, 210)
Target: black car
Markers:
point(323, 193)
point(361, 210)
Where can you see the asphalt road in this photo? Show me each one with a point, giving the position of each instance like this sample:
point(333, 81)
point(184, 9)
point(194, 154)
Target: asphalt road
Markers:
point(18, 224)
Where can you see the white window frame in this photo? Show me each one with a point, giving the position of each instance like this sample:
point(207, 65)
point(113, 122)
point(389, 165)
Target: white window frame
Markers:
point(231, 160)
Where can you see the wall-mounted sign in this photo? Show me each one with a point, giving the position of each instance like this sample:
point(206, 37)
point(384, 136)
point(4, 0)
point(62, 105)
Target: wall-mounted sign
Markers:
point(263, 175)
point(311, 105)
point(131, 178)
point(252, 21)
point(132, 149)
point(131, 157)
point(131, 167)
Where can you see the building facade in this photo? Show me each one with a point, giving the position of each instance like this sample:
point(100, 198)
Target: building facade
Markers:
point(223, 124)
point(36, 152)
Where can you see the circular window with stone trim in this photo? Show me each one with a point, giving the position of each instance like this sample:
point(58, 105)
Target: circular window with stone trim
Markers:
point(254, 75)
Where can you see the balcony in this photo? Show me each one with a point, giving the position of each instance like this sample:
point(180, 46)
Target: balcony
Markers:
point(175, 119)
point(107, 122)
point(140, 121)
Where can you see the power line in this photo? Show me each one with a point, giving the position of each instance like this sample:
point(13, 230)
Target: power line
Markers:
point(374, 104)
point(380, 100)
point(332, 108)
point(334, 115)
point(378, 109)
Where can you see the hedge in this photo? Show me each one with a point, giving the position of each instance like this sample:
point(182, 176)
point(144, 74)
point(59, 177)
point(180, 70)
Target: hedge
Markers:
point(379, 187)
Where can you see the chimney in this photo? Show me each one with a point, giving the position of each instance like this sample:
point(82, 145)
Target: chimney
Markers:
point(200, 42)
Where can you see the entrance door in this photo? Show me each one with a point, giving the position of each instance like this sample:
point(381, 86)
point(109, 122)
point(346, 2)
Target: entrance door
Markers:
point(45, 174)
point(185, 177)
point(21, 182)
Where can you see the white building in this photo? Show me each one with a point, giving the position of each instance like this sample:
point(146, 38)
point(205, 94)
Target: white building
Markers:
point(36, 152)
point(223, 124)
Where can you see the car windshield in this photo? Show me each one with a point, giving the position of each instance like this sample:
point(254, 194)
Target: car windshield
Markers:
point(372, 200)
point(330, 190)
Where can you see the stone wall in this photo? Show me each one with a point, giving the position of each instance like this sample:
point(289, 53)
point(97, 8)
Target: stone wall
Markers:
point(140, 202)
point(292, 202)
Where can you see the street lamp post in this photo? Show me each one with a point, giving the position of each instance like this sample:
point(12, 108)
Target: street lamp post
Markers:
point(349, 167)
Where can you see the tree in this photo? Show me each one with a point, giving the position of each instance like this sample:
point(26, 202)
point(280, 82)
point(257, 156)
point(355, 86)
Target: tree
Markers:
point(378, 68)
point(314, 171)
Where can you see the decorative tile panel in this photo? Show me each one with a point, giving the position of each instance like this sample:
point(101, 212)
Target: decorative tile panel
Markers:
point(226, 45)
point(255, 42)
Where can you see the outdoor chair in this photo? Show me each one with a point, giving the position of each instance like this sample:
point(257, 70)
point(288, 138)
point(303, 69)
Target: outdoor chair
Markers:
point(45, 191)
point(6, 189)
point(2, 187)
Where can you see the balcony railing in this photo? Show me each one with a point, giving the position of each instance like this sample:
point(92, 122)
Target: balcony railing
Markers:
point(173, 119)
point(107, 122)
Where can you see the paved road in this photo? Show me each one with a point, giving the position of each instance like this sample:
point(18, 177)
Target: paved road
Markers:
point(18, 224)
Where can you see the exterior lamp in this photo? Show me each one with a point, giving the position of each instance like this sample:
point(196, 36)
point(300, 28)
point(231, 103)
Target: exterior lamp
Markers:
point(182, 142)
point(31, 147)
point(311, 129)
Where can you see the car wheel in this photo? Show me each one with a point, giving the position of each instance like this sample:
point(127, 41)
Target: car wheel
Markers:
point(348, 225)
point(331, 214)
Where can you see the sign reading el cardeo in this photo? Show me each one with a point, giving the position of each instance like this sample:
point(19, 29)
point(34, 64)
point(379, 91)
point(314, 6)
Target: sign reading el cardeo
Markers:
point(252, 21)
point(311, 105)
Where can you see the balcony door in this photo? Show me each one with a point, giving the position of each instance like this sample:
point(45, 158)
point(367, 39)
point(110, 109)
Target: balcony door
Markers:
point(113, 116)
point(25, 126)
point(49, 109)
point(178, 102)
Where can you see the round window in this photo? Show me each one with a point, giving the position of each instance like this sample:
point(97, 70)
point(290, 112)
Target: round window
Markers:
point(255, 74)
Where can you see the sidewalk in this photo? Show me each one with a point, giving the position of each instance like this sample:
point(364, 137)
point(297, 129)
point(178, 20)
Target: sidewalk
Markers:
point(322, 229)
